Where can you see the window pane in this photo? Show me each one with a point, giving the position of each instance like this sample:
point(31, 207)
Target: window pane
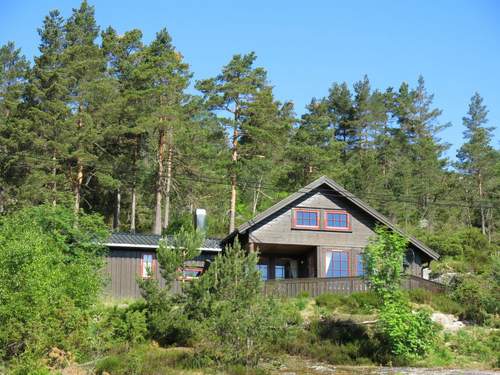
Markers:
point(336, 220)
point(339, 264)
point(147, 265)
point(306, 218)
point(263, 271)
point(360, 267)
point(279, 272)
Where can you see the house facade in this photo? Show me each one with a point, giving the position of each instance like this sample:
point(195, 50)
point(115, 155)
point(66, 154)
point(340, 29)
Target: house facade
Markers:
point(320, 232)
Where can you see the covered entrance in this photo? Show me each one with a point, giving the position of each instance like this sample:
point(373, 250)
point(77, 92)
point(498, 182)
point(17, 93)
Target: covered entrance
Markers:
point(277, 262)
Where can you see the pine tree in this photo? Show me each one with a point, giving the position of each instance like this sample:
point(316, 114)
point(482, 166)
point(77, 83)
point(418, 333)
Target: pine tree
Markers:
point(47, 96)
point(125, 139)
point(168, 77)
point(13, 163)
point(477, 157)
point(233, 91)
point(84, 64)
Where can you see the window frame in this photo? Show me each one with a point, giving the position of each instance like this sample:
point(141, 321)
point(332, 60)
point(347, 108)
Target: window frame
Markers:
point(153, 265)
point(348, 228)
point(259, 265)
point(197, 269)
point(349, 273)
point(308, 210)
point(281, 266)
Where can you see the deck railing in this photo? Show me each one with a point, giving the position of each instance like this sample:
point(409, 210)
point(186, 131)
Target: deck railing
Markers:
point(343, 285)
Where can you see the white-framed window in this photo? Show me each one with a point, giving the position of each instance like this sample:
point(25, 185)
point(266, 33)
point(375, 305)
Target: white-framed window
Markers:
point(147, 265)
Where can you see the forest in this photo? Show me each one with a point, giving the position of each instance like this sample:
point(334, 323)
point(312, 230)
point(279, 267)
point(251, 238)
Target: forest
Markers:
point(103, 132)
point(107, 123)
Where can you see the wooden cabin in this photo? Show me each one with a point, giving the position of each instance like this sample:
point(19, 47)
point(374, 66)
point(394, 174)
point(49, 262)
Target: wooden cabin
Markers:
point(315, 237)
point(320, 232)
point(132, 255)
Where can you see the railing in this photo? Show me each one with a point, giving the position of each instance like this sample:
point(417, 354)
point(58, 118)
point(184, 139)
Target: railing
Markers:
point(343, 285)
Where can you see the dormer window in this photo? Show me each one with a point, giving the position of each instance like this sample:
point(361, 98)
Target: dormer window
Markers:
point(337, 220)
point(305, 218)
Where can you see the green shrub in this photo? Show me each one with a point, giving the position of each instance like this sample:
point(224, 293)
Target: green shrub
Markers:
point(330, 301)
point(49, 266)
point(477, 345)
point(438, 301)
point(355, 303)
point(146, 360)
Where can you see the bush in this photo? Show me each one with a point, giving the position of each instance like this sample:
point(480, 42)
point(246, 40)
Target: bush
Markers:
point(476, 345)
point(355, 303)
point(438, 301)
point(49, 267)
point(408, 335)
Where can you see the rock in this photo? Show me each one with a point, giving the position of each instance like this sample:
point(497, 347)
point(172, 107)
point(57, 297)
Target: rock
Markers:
point(449, 322)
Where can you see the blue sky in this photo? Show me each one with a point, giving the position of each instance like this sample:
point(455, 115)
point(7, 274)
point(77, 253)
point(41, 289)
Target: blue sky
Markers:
point(305, 46)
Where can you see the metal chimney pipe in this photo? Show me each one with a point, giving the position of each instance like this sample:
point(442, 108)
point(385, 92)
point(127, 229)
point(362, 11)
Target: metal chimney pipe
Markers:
point(200, 219)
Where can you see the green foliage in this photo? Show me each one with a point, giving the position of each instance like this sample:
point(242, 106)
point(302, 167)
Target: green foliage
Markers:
point(438, 301)
point(476, 345)
point(50, 263)
point(408, 335)
point(355, 303)
point(237, 325)
point(147, 359)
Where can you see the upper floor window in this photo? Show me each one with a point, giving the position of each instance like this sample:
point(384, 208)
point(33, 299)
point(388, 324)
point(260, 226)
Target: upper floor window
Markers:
point(337, 220)
point(306, 218)
point(147, 265)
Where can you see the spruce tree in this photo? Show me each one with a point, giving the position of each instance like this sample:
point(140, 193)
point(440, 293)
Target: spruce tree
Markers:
point(14, 165)
point(477, 157)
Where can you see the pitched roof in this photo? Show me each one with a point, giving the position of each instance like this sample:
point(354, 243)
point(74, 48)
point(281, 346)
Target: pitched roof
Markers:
point(151, 241)
point(344, 193)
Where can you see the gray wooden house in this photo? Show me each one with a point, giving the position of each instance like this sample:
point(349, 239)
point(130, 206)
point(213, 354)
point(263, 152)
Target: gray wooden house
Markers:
point(320, 232)
point(132, 255)
point(311, 241)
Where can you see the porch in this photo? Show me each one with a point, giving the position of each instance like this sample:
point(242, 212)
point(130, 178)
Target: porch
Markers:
point(344, 285)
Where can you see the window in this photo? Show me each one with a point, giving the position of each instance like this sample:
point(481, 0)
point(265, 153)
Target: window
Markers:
point(263, 271)
point(337, 220)
point(147, 265)
point(360, 265)
point(279, 272)
point(191, 273)
point(306, 219)
point(337, 264)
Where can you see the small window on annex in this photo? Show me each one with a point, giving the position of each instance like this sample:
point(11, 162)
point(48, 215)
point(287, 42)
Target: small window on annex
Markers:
point(147, 265)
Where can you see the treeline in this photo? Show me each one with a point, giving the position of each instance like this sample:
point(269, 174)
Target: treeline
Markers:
point(105, 122)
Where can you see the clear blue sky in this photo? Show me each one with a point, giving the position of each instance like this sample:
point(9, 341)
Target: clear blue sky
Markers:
point(305, 46)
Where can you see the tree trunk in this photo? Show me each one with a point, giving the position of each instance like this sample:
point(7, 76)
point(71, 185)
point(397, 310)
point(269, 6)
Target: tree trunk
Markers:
point(132, 210)
point(483, 214)
point(168, 182)
point(54, 176)
point(116, 218)
point(79, 170)
point(134, 183)
point(234, 158)
point(256, 195)
point(159, 182)
point(78, 185)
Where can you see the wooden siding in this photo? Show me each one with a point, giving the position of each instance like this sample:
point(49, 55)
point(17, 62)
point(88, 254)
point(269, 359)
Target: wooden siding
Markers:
point(278, 229)
point(343, 285)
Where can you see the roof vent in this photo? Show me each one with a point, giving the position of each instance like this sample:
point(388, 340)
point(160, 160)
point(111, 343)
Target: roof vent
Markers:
point(200, 220)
